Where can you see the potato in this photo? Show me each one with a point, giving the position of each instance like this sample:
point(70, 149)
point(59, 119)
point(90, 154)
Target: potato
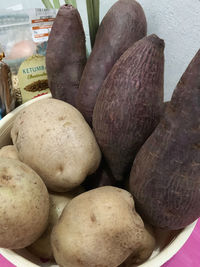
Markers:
point(98, 228)
point(9, 152)
point(53, 138)
point(24, 205)
point(147, 245)
point(42, 246)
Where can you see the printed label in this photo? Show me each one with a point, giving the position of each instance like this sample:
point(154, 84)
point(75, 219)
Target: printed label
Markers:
point(32, 77)
point(41, 24)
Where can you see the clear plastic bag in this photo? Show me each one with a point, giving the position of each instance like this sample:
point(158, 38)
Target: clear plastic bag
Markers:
point(23, 36)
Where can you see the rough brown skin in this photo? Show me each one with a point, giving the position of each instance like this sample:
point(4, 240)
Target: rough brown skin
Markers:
point(165, 107)
point(130, 104)
point(165, 177)
point(66, 54)
point(122, 26)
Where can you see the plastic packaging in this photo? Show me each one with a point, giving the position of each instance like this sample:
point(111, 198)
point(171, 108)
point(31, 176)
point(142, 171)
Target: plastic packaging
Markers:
point(7, 96)
point(23, 36)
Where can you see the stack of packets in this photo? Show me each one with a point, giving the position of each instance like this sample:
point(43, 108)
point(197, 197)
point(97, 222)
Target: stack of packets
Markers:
point(23, 39)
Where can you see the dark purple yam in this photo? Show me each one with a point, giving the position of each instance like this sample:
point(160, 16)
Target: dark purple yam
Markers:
point(66, 54)
point(165, 107)
point(122, 26)
point(102, 177)
point(165, 177)
point(130, 104)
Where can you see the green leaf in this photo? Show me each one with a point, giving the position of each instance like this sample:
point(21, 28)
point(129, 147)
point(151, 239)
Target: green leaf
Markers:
point(96, 12)
point(93, 18)
point(47, 4)
point(56, 4)
point(71, 2)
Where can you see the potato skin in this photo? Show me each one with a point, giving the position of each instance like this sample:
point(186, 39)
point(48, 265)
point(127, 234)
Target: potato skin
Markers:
point(165, 175)
point(130, 104)
point(122, 26)
point(9, 152)
point(97, 228)
point(24, 206)
point(53, 138)
point(42, 246)
point(66, 54)
point(147, 246)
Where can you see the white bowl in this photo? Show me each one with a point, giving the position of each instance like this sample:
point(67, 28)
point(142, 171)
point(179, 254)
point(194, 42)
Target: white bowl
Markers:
point(168, 242)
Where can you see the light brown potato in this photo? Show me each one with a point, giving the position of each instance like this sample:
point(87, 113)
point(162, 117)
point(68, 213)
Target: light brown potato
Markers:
point(53, 138)
point(147, 245)
point(24, 205)
point(98, 228)
point(42, 246)
point(9, 152)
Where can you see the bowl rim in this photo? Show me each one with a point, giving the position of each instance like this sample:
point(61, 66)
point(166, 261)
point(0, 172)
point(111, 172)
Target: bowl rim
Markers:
point(172, 248)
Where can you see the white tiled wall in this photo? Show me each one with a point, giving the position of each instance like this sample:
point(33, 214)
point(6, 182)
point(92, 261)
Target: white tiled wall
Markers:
point(176, 21)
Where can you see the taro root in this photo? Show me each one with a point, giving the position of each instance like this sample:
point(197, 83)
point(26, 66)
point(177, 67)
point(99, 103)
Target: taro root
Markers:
point(66, 54)
point(165, 177)
point(130, 104)
point(122, 26)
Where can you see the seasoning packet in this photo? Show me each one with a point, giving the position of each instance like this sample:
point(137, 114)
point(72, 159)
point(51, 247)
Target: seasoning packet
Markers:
point(24, 36)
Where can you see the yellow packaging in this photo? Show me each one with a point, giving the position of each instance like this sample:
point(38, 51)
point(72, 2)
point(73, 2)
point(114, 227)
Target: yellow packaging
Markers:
point(32, 77)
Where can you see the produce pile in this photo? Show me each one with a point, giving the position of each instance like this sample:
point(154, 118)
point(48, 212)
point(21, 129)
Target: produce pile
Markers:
point(97, 168)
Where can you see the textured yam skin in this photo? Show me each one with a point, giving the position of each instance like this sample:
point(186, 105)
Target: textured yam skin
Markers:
point(102, 177)
point(122, 26)
point(165, 107)
point(66, 54)
point(130, 104)
point(165, 177)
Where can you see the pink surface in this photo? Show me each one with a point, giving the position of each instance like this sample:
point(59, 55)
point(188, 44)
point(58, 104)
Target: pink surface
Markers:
point(188, 255)
point(5, 263)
